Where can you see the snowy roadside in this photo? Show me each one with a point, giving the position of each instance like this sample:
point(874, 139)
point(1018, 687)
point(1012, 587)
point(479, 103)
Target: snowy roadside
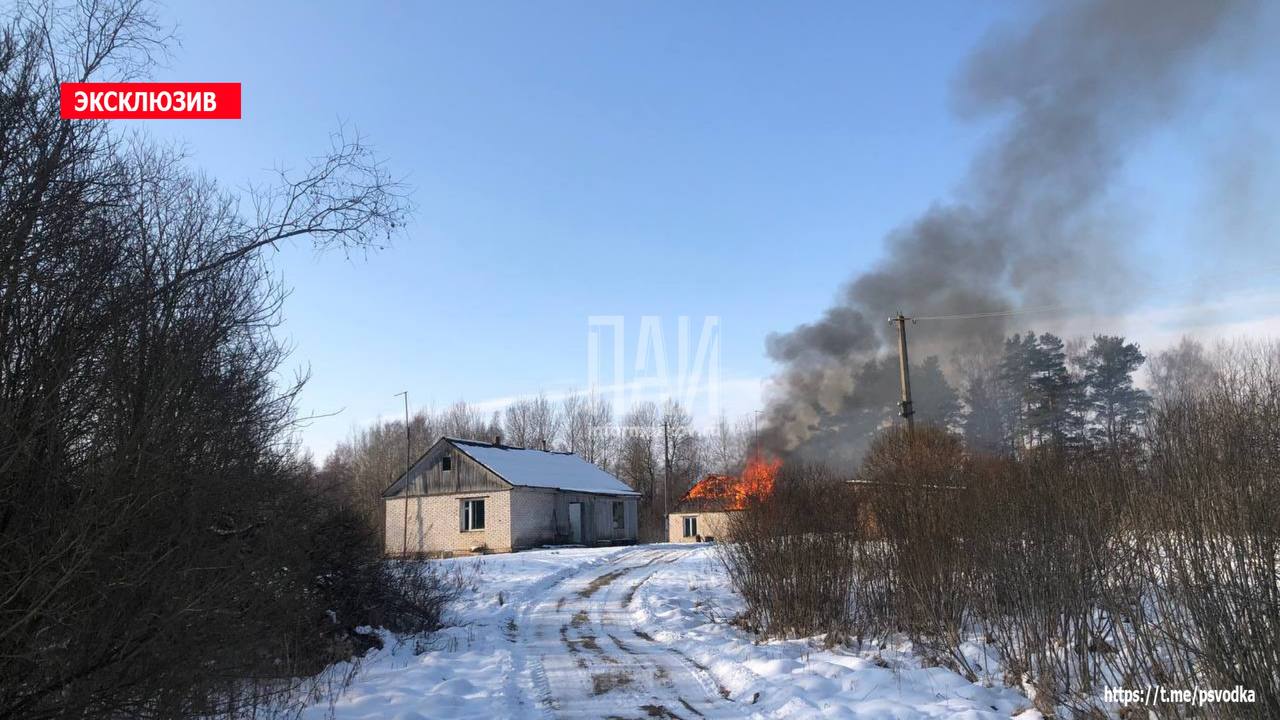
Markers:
point(468, 669)
point(689, 603)
point(459, 671)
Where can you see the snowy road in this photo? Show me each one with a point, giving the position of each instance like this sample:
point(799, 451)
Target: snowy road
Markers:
point(581, 655)
point(639, 632)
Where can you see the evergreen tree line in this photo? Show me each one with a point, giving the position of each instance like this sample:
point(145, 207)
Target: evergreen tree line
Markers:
point(1037, 391)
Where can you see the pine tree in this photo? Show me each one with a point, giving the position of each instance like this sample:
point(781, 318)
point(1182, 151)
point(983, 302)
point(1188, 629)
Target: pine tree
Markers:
point(983, 429)
point(935, 401)
point(1054, 403)
point(1117, 406)
point(1013, 390)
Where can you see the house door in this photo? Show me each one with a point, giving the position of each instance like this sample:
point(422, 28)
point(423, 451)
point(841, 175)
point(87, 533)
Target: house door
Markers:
point(575, 522)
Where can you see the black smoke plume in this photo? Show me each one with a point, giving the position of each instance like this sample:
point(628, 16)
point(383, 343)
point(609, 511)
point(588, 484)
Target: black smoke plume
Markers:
point(1033, 222)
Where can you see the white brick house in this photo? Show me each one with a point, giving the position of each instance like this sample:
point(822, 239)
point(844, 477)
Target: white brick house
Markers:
point(465, 496)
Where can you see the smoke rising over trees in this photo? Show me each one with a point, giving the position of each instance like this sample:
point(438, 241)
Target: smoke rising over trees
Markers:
point(1033, 395)
point(1084, 552)
point(1031, 223)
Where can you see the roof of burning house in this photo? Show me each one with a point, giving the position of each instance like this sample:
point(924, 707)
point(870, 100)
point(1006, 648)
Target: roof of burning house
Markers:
point(726, 493)
point(713, 493)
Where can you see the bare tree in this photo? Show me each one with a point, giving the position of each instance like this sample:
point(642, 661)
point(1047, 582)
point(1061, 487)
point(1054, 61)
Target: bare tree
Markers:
point(588, 428)
point(681, 457)
point(1182, 369)
point(660, 458)
point(727, 446)
point(162, 549)
point(640, 460)
point(545, 422)
point(464, 421)
point(602, 436)
point(517, 422)
point(573, 412)
point(533, 422)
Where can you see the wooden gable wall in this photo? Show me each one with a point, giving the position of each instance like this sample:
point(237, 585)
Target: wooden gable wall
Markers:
point(466, 475)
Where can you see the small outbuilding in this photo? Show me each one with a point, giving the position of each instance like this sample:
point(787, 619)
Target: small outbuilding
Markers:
point(464, 496)
point(703, 512)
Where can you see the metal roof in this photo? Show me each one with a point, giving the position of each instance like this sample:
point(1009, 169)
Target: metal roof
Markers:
point(526, 467)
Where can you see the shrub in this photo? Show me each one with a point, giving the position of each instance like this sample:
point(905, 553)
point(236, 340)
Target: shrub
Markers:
point(1207, 610)
point(1048, 546)
point(793, 556)
point(1158, 565)
point(918, 502)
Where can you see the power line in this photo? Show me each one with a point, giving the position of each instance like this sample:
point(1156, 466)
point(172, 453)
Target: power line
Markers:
point(997, 313)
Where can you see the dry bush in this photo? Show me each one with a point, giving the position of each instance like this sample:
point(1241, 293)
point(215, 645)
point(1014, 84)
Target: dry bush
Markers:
point(1016, 552)
point(916, 486)
point(1049, 546)
point(417, 594)
point(1081, 569)
point(1160, 566)
point(1207, 610)
point(357, 586)
point(794, 556)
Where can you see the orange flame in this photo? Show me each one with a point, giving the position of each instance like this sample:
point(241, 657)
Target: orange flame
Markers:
point(735, 493)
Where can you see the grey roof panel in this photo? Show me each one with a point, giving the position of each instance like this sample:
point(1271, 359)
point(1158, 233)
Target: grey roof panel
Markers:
point(543, 469)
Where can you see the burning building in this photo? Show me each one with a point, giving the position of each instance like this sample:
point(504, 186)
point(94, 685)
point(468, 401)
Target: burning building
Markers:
point(702, 514)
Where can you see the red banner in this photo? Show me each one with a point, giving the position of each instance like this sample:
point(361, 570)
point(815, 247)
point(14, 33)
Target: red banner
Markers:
point(150, 101)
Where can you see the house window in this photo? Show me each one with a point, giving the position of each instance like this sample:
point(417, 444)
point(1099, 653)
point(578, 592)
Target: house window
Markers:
point(691, 526)
point(472, 515)
point(619, 516)
point(446, 463)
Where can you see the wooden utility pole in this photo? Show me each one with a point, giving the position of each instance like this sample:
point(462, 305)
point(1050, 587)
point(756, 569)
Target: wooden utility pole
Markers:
point(904, 370)
point(666, 472)
point(404, 544)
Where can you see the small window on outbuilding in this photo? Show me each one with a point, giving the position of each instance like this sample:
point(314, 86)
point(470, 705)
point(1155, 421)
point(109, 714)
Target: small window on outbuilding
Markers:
point(619, 515)
point(691, 526)
point(472, 514)
point(446, 463)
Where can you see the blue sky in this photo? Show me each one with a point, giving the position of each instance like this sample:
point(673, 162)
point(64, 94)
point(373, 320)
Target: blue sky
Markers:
point(575, 159)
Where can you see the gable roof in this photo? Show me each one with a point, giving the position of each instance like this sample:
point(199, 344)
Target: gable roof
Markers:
point(524, 467)
point(713, 493)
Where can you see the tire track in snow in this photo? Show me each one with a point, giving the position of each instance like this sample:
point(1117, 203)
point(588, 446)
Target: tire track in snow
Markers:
point(746, 708)
point(576, 663)
point(537, 692)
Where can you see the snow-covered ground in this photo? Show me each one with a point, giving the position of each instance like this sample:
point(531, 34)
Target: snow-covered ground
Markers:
point(637, 632)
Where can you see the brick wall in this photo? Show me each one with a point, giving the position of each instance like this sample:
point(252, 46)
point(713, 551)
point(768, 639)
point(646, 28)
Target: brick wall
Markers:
point(714, 524)
point(533, 517)
point(435, 524)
